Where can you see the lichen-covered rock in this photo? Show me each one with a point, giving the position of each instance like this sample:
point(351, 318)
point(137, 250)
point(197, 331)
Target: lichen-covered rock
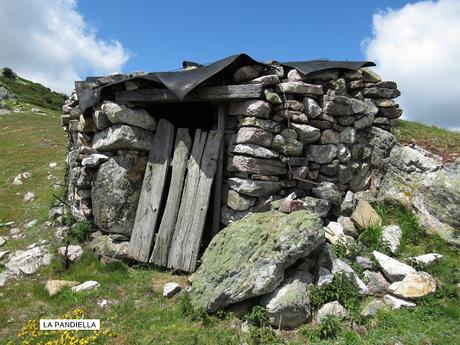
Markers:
point(123, 137)
point(30, 260)
point(321, 154)
point(287, 146)
point(258, 165)
point(115, 192)
point(253, 135)
point(312, 109)
point(289, 306)
point(248, 258)
point(268, 125)
point(104, 245)
point(391, 237)
point(331, 309)
point(237, 201)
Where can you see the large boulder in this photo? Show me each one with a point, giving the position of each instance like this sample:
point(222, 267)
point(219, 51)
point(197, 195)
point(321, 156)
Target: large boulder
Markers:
point(414, 285)
point(115, 192)
point(249, 257)
point(418, 180)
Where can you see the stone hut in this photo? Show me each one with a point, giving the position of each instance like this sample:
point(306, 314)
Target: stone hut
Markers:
point(167, 159)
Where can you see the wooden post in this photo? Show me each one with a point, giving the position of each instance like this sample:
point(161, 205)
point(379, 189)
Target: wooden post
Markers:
point(148, 208)
point(221, 115)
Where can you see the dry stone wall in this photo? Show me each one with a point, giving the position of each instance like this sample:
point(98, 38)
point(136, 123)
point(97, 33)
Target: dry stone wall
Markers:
point(324, 127)
point(309, 130)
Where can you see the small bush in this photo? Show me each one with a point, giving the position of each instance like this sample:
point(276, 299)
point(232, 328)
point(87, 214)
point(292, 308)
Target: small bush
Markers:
point(9, 73)
point(329, 328)
point(263, 336)
point(342, 289)
point(371, 237)
point(81, 231)
point(187, 309)
point(257, 317)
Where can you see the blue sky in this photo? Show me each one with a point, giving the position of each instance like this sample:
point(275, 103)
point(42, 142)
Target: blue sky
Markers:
point(415, 43)
point(158, 35)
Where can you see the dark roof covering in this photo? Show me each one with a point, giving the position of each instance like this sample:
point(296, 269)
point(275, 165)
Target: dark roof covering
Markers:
point(184, 81)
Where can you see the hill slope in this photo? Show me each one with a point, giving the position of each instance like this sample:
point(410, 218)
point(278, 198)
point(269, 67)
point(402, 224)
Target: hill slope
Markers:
point(33, 93)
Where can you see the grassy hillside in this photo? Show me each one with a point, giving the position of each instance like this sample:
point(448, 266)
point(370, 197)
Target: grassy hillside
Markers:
point(137, 313)
point(435, 139)
point(33, 93)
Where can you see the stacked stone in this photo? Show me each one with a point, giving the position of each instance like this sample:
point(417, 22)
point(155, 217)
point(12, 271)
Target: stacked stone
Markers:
point(308, 130)
point(107, 156)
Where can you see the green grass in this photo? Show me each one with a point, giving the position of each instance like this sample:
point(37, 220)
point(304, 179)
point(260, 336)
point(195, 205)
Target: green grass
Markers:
point(33, 93)
point(435, 139)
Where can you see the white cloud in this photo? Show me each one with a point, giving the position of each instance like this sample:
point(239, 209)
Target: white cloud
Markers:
point(48, 41)
point(419, 47)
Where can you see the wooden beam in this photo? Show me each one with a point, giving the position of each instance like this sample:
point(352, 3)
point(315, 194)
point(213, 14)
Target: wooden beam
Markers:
point(148, 208)
point(168, 222)
point(204, 94)
point(221, 114)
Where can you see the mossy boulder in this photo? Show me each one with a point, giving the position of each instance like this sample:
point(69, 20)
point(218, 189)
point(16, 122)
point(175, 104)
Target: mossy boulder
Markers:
point(249, 257)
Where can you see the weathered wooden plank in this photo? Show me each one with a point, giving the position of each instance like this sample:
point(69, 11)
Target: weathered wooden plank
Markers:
point(185, 258)
point(221, 114)
point(188, 199)
point(147, 213)
point(168, 222)
point(204, 94)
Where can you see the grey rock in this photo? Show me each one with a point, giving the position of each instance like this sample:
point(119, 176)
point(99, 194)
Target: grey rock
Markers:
point(104, 245)
point(349, 228)
point(312, 109)
point(258, 165)
point(393, 269)
point(100, 120)
point(364, 122)
point(171, 289)
point(56, 212)
point(307, 134)
point(391, 237)
point(376, 283)
point(348, 135)
point(94, 160)
point(318, 206)
point(344, 174)
point(266, 80)
point(364, 215)
point(289, 306)
point(123, 137)
point(397, 303)
point(294, 75)
point(331, 309)
point(121, 114)
point(293, 116)
point(3, 240)
point(88, 285)
point(289, 147)
point(328, 191)
point(343, 153)
point(234, 269)
point(325, 277)
point(256, 108)
point(364, 262)
point(321, 154)
point(237, 201)
point(28, 261)
point(380, 92)
point(253, 135)
point(348, 204)
point(253, 188)
point(229, 215)
point(272, 97)
point(268, 125)
point(340, 266)
point(301, 88)
point(328, 136)
point(338, 106)
point(289, 134)
point(116, 190)
point(246, 73)
point(74, 252)
point(372, 307)
point(426, 260)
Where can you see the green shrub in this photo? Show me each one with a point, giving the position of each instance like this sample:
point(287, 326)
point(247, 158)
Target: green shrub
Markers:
point(8, 73)
point(329, 328)
point(263, 336)
point(81, 231)
point(342, 289)
point(257, 317)
point(371, 238)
